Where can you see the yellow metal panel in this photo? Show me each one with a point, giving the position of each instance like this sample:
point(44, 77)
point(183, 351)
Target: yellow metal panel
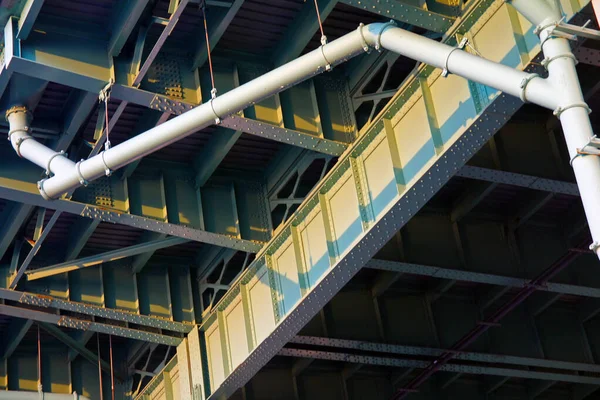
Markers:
point(287, 274)
point(215, 357)
point(379, 171)
point(490, 42)
point(453, 105)
point(314, 248)
point(261, 305)
point(413, 136)
point(236, 332)
point(345, 215)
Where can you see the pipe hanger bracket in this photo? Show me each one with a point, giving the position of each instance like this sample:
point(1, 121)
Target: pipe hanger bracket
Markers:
point(48, 170)
point(391, 22)
point(460, 46)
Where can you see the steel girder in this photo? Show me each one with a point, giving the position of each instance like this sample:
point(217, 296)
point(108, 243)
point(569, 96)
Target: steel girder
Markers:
point(380, 183)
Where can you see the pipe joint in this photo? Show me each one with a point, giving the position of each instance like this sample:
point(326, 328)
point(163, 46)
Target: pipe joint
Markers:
point(524, 83)
point(80, 176)
point(385, 26)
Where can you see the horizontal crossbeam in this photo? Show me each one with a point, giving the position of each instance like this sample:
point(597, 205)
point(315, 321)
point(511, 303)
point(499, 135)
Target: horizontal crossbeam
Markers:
point(108, 256)
point(477, 277)
point(75, 323)
point(53, 304)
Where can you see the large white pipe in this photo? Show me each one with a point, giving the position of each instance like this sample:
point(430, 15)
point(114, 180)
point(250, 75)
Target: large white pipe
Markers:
point(572, 110)
point(377, 35)
point(538, 12)
point(14, 395)
point(27, 147)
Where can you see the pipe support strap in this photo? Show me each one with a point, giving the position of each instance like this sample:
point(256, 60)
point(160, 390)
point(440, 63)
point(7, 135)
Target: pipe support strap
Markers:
point(383, 28)
point(82, 180)
point(547, 61)
point(212, 107)
point(561, 110)
point(364, 43)
point(48, 171)
point(460, 46)
point(107, 170)
point(524, 83)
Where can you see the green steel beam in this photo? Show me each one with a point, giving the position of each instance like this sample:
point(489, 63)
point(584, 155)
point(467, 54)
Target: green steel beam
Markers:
point(299, 33)
point(216, 29)
point(26, 192)
point(108, 256)
point(141, 259)
point(520, 180)
point(79, 106)
point(11, 222)
point(173, 19)
point(78, 347)
point(406, 13)
point(456, 368)
point(81, 337)
point(36, 247)
point(80, 233)
point(284, 135)
point(126, 18)
point(30, 13)
point(488, 279)
point(13, 336)
point(470, 200)
point(213, 152)
point(52, 304)
point(74, 323)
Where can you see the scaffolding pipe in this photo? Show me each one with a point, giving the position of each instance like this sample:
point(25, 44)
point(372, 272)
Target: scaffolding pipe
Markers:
point(561, 92)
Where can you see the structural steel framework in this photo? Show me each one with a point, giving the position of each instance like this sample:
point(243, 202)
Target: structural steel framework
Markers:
point(328, 242)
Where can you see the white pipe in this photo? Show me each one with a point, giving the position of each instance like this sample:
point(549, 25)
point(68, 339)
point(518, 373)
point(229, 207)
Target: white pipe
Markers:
point(377, 35)
point(572, 110)
point(14, 395)
point(538, 12)
point(27, 147)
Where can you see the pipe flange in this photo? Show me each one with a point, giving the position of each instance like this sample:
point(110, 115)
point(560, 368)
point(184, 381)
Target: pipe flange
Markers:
point(212, 107)
point(524, 83)
point(558, 112)
point(363, 41)
point(48, 171)
point(15, 109)
point(40, 186)
point(107, 170)
point(547, 61)
point(460, 46)
point(383, 28)
point(82, 180)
